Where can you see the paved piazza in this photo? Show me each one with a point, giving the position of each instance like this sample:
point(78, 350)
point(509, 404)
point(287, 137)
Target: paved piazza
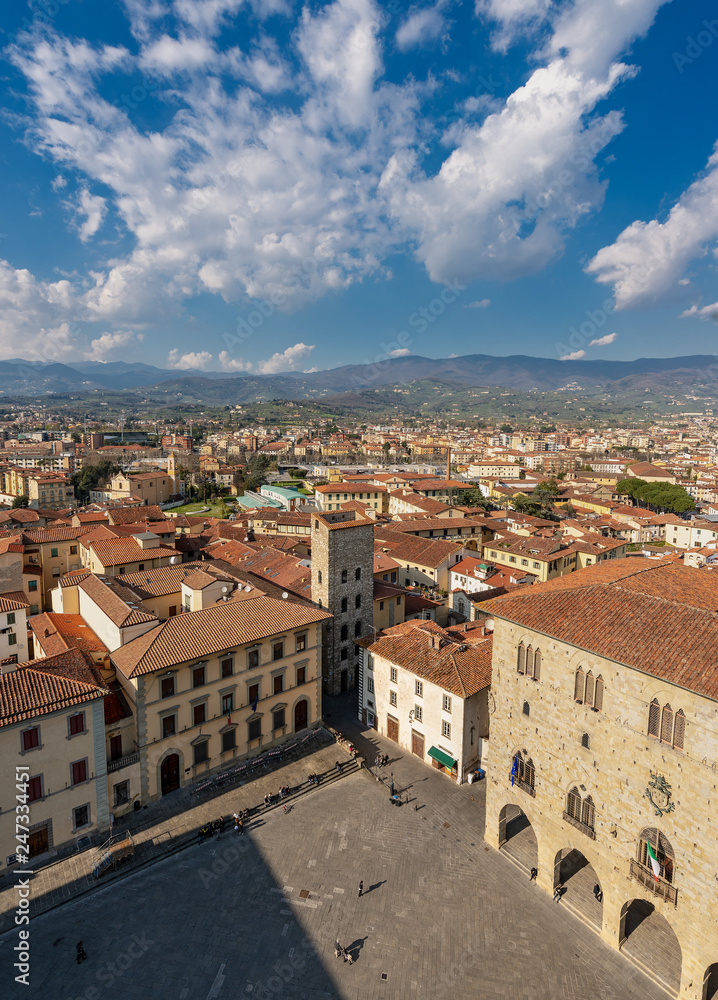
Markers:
point(443, 916)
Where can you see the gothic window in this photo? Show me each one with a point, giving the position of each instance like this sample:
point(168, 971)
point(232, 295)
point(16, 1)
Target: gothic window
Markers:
point(357, 627)
point(588, 695)
point(344, 634)
point(522, 771)
point(537, 664)
point(527, 710)
point(578, 686)
point(521, 660)
point(654, 718)
point(357, 573)
point(667, 725)
point(598, 696)
point(344, 576)
point(679, 729)
point(530, 661)
point(586, 741)
point(662, 850)
point(579, 811)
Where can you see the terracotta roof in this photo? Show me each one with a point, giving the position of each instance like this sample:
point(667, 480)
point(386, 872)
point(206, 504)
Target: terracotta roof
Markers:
point(459, 663)
point(202, 633)
point(13, 600)
point(414, 549)
point(363, 487)
point(41, 535)
point(129, 515)
point(73, 577)
point(120, 551)
point(661, 619)
point(116, 705)
point(112, 599)
point(160, 581)
point(71, 630)
point(40, 687)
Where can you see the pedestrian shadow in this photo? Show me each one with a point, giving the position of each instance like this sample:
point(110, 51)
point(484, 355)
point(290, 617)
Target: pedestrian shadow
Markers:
point(356, 946)
point(376, 885)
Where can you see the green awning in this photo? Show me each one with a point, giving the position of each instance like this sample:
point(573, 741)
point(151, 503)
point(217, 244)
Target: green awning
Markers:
point(443, 758)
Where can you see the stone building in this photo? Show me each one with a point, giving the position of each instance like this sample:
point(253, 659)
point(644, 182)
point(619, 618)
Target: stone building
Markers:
point(343, 584)
point(604, 764)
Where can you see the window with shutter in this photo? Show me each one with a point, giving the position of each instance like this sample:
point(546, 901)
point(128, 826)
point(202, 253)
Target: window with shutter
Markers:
point(521, 660)
point(530, 661)
point(529, 775)
point(654, 718)
point(573, 804)
point(588, 696)
point(667, 725)
point(578, 686)
point(679, 729)
point(598, 695)
point(537, 664)
point(587, 812)
point(586, 741)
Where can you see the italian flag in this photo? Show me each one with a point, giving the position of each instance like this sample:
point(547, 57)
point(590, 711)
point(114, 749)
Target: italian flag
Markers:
point(654, 862)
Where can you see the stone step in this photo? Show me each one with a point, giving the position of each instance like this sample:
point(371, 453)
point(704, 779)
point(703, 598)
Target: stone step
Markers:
point(650, 973)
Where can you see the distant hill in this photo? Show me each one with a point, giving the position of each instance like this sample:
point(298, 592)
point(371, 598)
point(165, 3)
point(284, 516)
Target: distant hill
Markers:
point(520, 372)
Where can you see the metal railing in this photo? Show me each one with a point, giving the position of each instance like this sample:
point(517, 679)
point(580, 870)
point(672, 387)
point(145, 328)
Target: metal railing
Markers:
point(659, 887)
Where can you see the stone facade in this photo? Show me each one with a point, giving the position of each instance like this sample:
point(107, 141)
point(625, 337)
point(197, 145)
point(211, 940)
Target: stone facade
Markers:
point(607, 755)
point(343, 585)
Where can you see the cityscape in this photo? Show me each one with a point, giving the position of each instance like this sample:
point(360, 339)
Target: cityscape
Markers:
point(359, 501)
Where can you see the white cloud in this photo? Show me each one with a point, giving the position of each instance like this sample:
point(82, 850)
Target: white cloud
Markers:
point(573, 356)
point(702, 312)
point(36, 316)
point(603, 341)
point(399, 352)
point(199, 359)
point(112, 344)
point(93, 207)
point(230, 364)
point(421, 26)
point(514, 17)
point(479, 304)
point(290, 360)
point(646, 264)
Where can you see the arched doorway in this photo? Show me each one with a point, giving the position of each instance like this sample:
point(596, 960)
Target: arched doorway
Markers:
point(642, 926)
point(710, 983)
point(517, 837)
point(344, 681)
point(578, 878)
point(170, 773)
point(300, 715)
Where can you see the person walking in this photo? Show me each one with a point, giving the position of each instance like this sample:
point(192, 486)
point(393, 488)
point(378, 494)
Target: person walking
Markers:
point(337, 949)
point(338, 766)
point(534, 874)
point(345, 954)
point(350, 958)
point(558, 892)
point(361, 889)
point(81, 953)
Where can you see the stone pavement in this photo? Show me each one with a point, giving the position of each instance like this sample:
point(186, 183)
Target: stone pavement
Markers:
point(443, 916)
point(167, 825)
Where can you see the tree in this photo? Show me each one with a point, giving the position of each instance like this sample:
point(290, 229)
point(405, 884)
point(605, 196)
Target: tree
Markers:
point(659, 496)
point(474, 498)
point(89, 477)
point(21, 501)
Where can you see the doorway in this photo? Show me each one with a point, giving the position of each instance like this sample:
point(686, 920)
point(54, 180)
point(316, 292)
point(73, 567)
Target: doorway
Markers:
point(417, 744)
point(300, 715)
point(392, 728)
point(344, 681)
point(170, 774)
point(39, 841)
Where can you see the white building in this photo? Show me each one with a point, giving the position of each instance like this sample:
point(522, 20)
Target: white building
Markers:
point(427, 689)
point(13, 627)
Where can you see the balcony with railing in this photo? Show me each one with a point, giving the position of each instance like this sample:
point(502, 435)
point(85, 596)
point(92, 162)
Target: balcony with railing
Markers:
point(526, 787)
point(126, 761)
point(659, 887)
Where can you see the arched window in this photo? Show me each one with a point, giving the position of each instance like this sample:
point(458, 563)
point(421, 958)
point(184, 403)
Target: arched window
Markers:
point(343, 635)
point(679, 729)
point(522, 772)
point(319, 576)
point(588, 696)
point(667, 725)
point(357, 601)
point(527, 709)
point(357, 573)
point(598, 696)
point(586, 741)
point(344, 576)
point(659, 859)
point(521, 659)
point(537, 664)
point(357, 627)
point(578, 686)
point(580, 812)
point(654, 718)
point(343, 604)
point(529, 661)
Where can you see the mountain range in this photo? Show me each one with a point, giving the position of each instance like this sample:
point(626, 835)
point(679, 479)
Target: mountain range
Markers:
point(520, 372)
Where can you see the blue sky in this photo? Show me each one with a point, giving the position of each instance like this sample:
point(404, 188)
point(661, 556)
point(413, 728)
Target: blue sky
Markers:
point(264, 185)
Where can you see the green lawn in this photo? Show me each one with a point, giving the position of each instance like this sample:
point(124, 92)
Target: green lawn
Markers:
point(215, 509)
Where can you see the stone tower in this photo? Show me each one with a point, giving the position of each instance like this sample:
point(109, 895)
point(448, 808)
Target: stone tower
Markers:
point(343, 584)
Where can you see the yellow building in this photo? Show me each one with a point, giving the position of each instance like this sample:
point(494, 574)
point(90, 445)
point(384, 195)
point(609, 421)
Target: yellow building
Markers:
point(333, 495)
point(211, 686)
point(52, 737)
